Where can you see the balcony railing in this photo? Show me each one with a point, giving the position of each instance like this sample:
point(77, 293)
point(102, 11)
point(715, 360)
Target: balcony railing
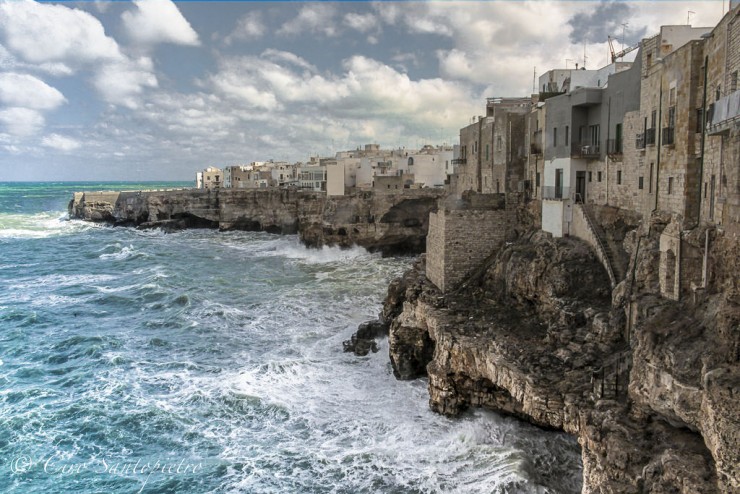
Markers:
point(535, 148)
point(723, 113)
point(650, 137)
point(584, 150)
point(669, 134)
point(553, 193)
point(640, 141)
point(459, 161)
point(614, 146)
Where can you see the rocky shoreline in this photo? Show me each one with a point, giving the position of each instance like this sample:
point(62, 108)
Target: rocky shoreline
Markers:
point(391, 223)
point(538, 333)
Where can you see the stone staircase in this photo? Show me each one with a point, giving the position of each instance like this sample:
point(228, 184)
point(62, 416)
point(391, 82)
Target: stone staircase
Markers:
point(607, 250)
point(616, 259)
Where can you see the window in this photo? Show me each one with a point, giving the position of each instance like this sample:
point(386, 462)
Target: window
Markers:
point(598, 177)
point(537, 180)
point(671, 117)
point(733, 81)
point(653, 118)
point(672, 96)
point(640, 183)
point(699, 119)
point(650, 179)
point(670, 185)
point(558, 183)
point(499, 143)
point(705, 190)
point(486, 151)
point(595, 134)
point(554, 136)
point(619, 177)
point(497, 187)
point(718, 92)
point(567, 135)
point(590, 176)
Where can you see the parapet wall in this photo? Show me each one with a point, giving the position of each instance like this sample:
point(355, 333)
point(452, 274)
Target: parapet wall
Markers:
point(460, 239)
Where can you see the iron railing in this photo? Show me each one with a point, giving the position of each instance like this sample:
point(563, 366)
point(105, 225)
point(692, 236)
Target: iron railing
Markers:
point(552, 192)
point(650, 137)
point(669, 134)
point(584, 150)
point(640, 141)
point(614, 146)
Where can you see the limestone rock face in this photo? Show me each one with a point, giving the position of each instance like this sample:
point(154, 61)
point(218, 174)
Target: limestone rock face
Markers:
point(649, 386)
point(389, 223)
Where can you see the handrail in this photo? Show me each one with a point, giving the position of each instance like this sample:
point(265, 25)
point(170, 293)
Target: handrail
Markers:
point(608, 265)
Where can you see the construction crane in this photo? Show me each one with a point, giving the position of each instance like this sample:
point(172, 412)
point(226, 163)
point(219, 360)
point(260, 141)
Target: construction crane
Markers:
point(622, 53)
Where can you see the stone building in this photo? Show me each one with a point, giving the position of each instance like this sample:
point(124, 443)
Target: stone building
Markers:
point(720, 182)
point(212, 178)
point(235, 175)
point(492, 156)
point(583, 135)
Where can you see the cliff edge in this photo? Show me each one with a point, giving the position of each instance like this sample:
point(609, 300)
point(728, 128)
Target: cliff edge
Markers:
point(649, 386)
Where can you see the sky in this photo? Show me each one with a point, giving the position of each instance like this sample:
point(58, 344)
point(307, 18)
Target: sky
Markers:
point(156, 90)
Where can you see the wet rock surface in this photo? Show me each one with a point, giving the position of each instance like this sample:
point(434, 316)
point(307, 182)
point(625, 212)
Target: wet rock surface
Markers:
point(649, 386)
point(388, 223)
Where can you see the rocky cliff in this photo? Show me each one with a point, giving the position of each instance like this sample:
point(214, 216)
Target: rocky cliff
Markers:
point(649, 386)
point(390, 223)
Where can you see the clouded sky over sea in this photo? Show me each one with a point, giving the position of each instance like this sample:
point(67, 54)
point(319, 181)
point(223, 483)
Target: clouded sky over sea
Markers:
point(154, 90)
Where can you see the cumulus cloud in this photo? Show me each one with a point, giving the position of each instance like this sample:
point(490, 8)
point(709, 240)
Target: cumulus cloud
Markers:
point(158, 21)
point(60, 143)
point(26, 91)
point(249, 26)
point(366, 88)
point(21, 122)
point(55, 34)
point(361, 22)
point(123, 82)
point(315, 18)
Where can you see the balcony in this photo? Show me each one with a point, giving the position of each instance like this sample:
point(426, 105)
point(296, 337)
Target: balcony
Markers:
point(614, 147)
point(669, 136)
point(650, 137)
point(459, 161)
point(723, 114)
point(640, 141)
point(553, 193)
point(583, 150)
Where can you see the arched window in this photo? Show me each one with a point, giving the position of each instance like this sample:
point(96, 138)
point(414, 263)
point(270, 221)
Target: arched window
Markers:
point(411, 161)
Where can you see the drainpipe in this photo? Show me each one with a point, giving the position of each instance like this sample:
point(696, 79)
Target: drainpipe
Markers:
point(703, 139)
point(606, 154)
point(478, 154)
point(706, 260)
point(659, 140)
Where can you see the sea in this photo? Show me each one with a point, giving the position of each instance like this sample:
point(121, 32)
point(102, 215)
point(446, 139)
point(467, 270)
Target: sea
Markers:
point(203, 361)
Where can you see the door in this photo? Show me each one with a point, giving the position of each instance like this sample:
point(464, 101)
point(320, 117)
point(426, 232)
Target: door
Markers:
point(580, 186)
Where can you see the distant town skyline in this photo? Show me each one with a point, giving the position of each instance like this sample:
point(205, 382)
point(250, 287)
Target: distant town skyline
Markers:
point(155, 90)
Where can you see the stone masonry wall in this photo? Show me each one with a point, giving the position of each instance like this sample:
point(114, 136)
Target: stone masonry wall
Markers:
point(458, 242)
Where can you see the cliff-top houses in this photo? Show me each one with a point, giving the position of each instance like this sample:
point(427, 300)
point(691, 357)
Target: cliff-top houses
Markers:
point(658, 135)
point(368, 168)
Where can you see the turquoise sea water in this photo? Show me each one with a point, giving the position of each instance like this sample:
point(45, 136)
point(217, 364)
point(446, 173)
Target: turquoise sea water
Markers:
point(199, 361)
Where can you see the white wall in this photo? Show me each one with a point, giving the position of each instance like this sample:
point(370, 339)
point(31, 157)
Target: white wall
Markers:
point(552, 217)
point(335, 179)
